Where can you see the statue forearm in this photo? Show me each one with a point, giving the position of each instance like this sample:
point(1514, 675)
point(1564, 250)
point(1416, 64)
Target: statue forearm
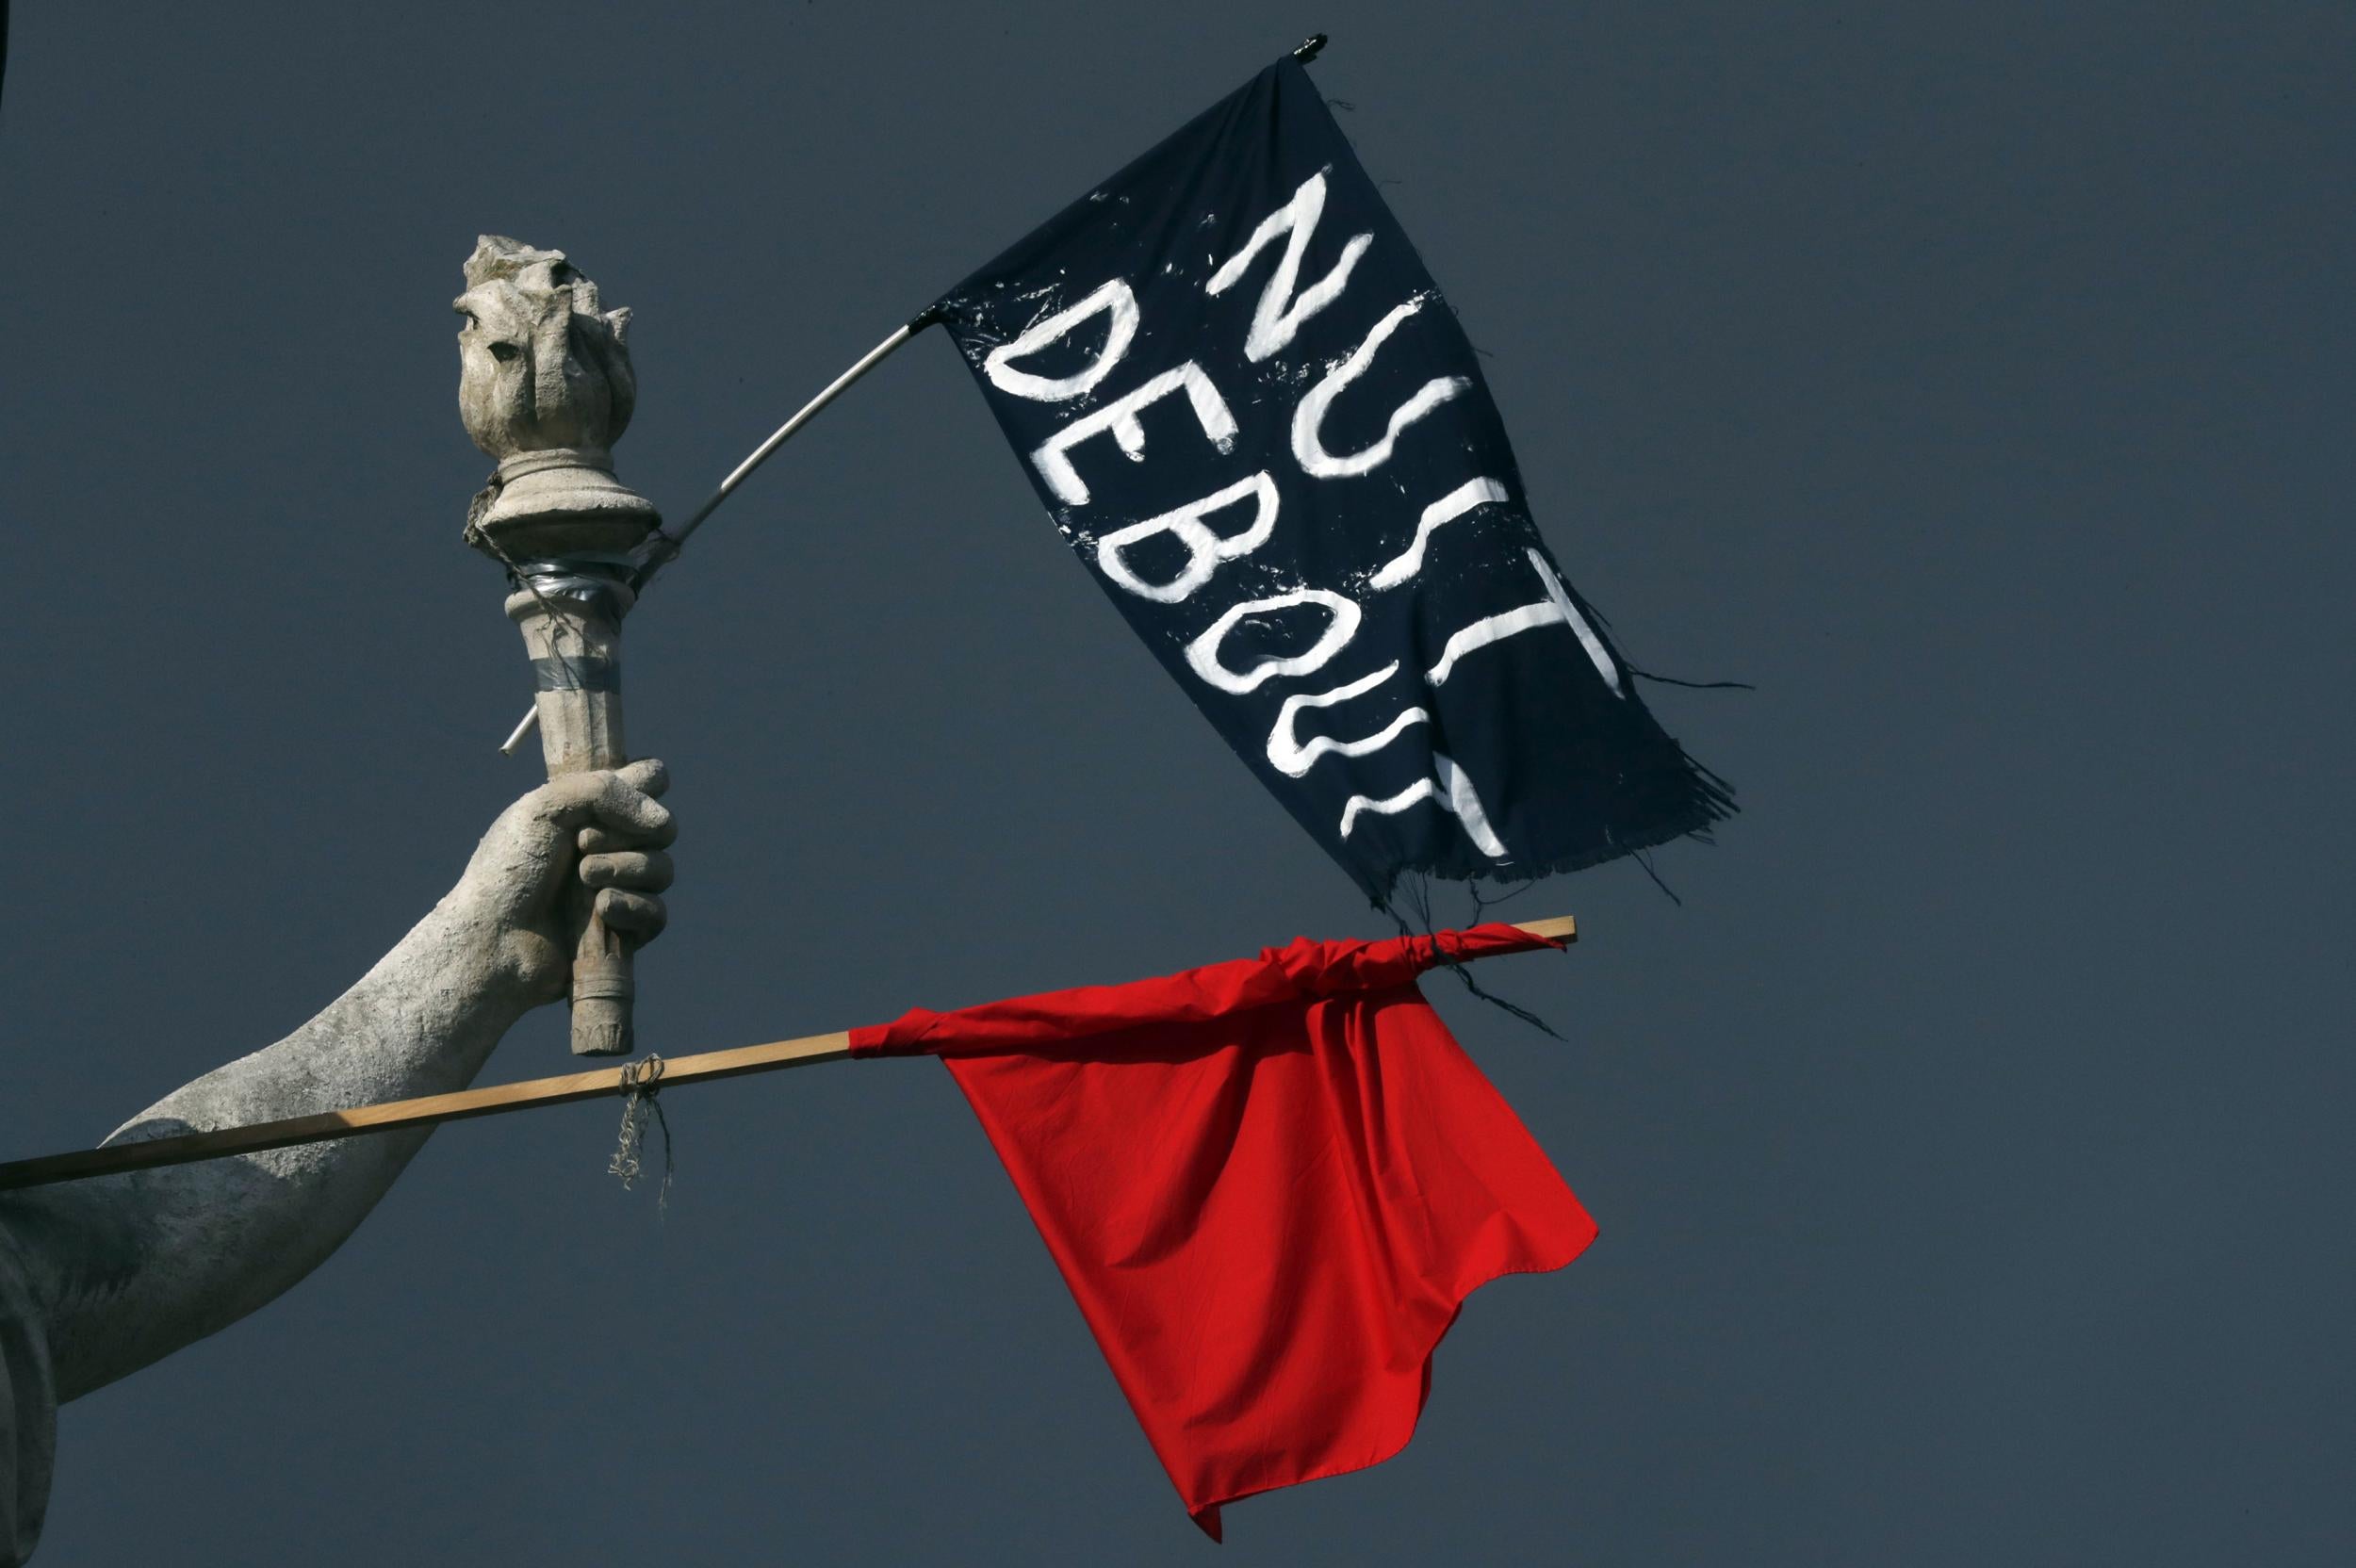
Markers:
point(128, 1268)
point(134, 1267)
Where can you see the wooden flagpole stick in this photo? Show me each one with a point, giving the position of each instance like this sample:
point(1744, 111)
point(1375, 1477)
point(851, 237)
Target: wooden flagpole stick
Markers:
point(496, 1099)
point(432, 1110)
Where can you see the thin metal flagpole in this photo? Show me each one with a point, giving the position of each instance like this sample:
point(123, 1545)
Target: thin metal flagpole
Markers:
point(808, 411)
point(646, 1074)
point(665, 546)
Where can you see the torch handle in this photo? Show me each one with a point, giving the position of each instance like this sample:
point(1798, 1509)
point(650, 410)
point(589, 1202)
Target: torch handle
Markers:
point(604, 984)
point(576, 648)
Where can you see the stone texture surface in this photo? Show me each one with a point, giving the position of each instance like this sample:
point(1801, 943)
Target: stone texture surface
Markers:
point(540, 365)
point(571, 627)
point(545, 385)
point(127, 1270)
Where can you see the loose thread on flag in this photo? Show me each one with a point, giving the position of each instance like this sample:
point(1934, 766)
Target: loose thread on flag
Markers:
point(1417, 890)
point(641, 1082)
point(1690, 685)
point(1643, 859)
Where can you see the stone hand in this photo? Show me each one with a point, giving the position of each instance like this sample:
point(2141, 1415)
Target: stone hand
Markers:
point(516, 890)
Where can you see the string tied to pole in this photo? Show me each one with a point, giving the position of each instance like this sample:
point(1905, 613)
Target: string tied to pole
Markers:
point(639, 1081)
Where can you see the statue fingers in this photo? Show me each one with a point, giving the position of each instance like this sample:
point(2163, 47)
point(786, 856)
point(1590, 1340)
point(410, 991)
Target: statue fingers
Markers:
point(623, 808)
point(639, 915)
point(645, 870)
point(648, 775)
point(613, 801)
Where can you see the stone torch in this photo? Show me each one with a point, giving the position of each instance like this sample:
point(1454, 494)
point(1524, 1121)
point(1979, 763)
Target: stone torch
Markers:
point(544, 387)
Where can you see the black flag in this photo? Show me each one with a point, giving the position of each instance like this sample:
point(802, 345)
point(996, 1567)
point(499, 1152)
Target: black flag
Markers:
point(1249, 411)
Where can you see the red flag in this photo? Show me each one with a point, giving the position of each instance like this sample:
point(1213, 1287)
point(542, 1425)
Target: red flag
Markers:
point(1271, 1185)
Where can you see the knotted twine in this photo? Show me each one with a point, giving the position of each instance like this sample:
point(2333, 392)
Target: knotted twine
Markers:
point(639, 1081)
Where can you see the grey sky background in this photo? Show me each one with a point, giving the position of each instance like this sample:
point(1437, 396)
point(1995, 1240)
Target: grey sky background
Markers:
point(1970, 1149)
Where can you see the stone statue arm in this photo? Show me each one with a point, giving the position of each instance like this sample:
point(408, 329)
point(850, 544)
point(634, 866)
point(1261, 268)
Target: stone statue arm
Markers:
point(129, 1268)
